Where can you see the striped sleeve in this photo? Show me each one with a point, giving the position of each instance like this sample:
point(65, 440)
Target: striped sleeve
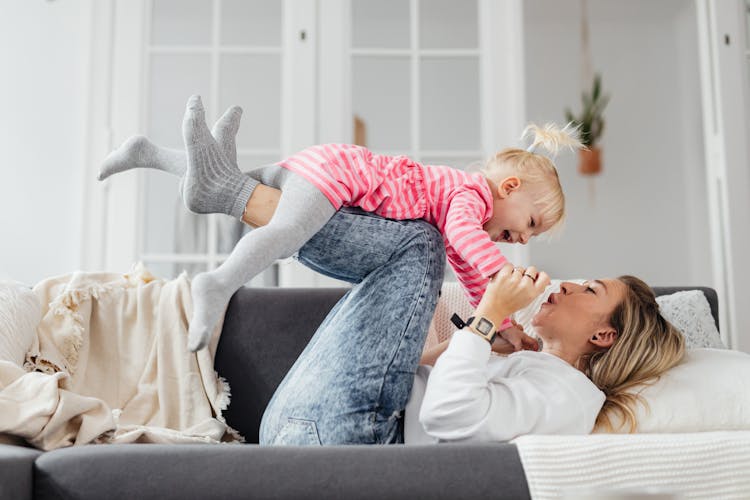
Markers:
point(471, 253)
point(464, 233)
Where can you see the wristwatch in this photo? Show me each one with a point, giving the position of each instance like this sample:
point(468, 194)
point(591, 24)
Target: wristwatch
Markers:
point(482, 327)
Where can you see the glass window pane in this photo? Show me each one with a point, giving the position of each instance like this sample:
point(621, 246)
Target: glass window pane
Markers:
point(253, 82)
point(166, 218)
point(380, 98)
point(181, 22)
point(448, 24)
point(466, 164)
point(173, 78)
point(249, 162)
point(228, 231)
point(747, 28)
point(251, 22)
point(449, 107)
point(170, 270)
point(380, 24)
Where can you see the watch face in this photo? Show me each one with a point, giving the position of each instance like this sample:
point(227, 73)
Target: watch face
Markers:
point(484, 326)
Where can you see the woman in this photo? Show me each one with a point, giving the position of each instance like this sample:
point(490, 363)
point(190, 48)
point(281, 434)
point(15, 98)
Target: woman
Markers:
point(352, 382)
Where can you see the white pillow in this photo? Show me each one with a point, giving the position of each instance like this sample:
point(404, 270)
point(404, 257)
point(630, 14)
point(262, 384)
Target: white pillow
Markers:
point(20, 313)
point(705, 392)
point(690, 312)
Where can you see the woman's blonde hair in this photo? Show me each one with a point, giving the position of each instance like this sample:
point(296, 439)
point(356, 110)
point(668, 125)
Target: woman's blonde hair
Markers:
point(647, 345)
point(537, 171)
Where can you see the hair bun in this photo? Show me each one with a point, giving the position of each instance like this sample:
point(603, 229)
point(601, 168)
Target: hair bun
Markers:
point(553, 138)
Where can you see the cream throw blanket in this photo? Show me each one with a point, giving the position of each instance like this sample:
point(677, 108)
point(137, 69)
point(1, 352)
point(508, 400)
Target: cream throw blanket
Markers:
point(110, 365)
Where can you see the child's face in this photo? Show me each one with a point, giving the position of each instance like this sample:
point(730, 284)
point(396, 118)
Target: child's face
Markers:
point(515, 218)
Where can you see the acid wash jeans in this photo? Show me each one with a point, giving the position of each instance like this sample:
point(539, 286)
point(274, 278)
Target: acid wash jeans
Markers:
point(351, 383)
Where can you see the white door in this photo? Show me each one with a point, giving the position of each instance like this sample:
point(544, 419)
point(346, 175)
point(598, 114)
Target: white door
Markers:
point(724, 30)
point(439, 80)
point(244, 52)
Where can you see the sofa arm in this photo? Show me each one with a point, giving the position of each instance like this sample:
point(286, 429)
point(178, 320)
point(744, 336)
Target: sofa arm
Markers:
point(146, 472)
point(17, 471)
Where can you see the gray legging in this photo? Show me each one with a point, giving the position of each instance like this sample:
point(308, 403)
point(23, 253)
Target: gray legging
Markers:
point(302, 211)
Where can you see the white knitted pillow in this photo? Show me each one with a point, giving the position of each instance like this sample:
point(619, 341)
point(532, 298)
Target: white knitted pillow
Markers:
point(20, 313)
point(452, 300)
point(690, 312)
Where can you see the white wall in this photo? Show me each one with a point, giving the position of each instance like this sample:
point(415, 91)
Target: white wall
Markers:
point(43, 55)
point(646, 213)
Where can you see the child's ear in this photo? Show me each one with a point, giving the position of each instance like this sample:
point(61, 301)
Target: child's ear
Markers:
point(508, 185)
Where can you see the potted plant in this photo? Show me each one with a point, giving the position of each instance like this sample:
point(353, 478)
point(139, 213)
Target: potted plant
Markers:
point(590, 123)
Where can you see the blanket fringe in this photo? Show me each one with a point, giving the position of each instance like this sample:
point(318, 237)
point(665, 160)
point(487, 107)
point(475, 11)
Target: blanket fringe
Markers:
point(223, 399)
point(66, 305)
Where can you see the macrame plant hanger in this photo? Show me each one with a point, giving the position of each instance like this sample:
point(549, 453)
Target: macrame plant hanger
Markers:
point(587, 76)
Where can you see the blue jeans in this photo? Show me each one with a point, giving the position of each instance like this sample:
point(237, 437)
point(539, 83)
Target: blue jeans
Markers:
point(351, 383)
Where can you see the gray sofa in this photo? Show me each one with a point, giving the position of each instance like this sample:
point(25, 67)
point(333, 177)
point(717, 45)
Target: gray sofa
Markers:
point(264, 332)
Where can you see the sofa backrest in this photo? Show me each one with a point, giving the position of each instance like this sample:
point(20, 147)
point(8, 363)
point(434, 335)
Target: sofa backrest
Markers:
point(266, 329)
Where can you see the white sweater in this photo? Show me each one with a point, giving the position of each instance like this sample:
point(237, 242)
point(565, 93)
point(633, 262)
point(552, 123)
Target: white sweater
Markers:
point(474, 396)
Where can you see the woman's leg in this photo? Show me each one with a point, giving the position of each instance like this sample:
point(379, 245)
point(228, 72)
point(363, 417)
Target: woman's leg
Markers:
point(351, 383)
point(301, 212)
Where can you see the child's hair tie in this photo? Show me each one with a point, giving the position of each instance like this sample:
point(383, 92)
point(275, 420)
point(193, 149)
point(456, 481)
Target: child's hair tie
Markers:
point(532, 148)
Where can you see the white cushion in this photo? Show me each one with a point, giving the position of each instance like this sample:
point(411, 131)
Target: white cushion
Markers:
point(20, 313)
point(705, 392)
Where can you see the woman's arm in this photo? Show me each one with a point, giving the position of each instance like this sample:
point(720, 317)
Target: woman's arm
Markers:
point(460, 400)
point(500, 346)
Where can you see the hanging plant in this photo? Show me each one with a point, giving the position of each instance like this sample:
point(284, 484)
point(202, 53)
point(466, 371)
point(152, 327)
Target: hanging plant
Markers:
point(590, 123)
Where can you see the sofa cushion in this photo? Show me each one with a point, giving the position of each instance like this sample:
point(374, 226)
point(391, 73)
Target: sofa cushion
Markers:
point(147, 472)
point(16, 471)
point(265, 330)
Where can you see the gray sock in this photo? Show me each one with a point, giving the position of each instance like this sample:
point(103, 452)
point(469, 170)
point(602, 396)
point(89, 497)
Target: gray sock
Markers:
point(212, 184)
point(303, 209)
point(139, 152)
point(224, 131)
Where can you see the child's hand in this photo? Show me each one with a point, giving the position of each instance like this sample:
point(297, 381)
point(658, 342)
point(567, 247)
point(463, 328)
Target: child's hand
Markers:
point(514, 339)
point(509, 290)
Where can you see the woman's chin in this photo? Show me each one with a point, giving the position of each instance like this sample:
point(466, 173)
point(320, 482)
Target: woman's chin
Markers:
point(539, 318)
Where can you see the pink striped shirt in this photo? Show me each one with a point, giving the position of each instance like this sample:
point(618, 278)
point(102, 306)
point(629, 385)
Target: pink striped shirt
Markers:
point(397, 187)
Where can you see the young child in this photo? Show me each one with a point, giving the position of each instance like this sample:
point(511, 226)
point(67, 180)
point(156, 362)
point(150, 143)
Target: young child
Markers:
point(516, 196)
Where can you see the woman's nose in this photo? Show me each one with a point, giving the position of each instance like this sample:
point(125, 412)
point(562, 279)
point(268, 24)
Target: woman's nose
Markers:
point(568, 287)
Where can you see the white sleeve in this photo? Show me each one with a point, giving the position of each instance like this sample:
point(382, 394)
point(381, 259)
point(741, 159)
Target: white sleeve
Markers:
point(461, 402)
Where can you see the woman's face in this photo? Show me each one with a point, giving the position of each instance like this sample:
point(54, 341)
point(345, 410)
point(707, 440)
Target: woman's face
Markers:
point(578, 313)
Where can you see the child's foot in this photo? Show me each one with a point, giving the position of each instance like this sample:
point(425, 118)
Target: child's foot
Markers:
point(225, 132)
point(212, 184)
point(210, 299)
point(139, 152)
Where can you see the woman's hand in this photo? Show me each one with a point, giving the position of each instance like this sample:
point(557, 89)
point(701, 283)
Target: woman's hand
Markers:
point(509, 290)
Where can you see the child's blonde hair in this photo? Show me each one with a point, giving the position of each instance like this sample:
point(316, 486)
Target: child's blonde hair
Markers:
point(535, 170)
